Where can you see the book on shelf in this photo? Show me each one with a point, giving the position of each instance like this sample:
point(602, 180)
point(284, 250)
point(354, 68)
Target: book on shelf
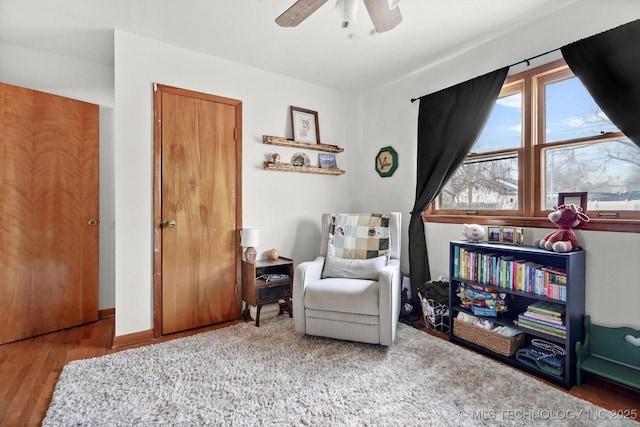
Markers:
point(505, 271)
point(555, 320)
point(526, 322)
point(456, 261)
point(541, 328)
point(555, 275)
point(541, 322)
point(556, 291)
point(548, 308)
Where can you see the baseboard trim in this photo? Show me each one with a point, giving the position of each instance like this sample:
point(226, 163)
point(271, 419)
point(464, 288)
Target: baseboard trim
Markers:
point(106, 313)
point(132, 339)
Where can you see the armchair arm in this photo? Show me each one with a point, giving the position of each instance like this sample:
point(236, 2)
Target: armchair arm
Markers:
point(389, 299)
point(305, 273)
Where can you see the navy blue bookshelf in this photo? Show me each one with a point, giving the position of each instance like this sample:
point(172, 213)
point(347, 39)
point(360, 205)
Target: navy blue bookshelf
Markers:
point(573, 263)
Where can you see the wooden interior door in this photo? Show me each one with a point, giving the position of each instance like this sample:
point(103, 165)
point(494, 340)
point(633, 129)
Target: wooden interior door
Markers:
point(48, 212)
point(200, 206)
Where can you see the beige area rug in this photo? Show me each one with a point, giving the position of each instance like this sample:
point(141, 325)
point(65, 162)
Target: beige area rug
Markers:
point(270, 376)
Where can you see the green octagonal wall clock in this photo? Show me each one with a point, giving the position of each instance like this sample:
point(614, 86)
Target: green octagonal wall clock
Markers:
point(386, 161)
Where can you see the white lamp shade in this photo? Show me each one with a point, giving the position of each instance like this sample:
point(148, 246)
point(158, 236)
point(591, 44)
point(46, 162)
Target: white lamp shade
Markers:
point(249, 237)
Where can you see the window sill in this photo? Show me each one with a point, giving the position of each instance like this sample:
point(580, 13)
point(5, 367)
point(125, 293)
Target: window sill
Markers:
point(597, 224)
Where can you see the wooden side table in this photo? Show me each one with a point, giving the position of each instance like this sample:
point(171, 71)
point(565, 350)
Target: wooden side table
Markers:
point(260, 286)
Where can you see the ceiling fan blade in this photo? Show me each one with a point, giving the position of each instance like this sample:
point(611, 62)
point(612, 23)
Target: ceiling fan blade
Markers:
point(384, 19)
point(298, 12)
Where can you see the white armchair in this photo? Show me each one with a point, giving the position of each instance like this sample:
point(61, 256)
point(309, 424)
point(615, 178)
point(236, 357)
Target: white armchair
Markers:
point(346, 298)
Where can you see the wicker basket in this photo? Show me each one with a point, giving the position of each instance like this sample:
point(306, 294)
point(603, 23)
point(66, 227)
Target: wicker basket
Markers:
point(506, 346)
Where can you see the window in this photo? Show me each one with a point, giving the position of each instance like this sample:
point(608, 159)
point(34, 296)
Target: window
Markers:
point(545, 136)
point(488, 179)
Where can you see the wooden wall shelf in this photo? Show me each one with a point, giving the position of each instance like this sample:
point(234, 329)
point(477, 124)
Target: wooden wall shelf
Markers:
point(288, 167)
point(276, 140)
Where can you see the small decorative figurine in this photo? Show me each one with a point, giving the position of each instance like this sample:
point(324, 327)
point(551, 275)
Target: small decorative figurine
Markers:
point(273, 254)
point(473, 232)
point(566, 217)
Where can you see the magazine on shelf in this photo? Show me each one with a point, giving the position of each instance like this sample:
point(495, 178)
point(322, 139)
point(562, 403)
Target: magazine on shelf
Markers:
point(273, 277)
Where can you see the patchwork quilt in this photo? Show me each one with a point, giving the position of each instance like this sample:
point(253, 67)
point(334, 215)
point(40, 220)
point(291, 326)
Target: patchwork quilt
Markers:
point(359, 236)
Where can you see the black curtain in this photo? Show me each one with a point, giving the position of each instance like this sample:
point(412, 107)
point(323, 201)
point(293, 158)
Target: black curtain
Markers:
point(608, 65)
point(449, 122)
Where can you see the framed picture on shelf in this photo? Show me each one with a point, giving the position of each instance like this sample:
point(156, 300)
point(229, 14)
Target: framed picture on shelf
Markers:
point(578, 199)
point(518, 236)
point(508, 235)
point(327, 161)
point(494, 234)
point(305, 125)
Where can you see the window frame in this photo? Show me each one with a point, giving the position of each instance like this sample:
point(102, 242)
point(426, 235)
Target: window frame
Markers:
point(532, 83)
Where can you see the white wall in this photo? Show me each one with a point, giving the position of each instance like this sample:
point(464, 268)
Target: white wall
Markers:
point(286, 207)
point(388, 118)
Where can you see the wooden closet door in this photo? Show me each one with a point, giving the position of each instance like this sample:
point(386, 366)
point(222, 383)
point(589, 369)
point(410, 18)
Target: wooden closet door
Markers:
point(48, 213)
point(200, 193)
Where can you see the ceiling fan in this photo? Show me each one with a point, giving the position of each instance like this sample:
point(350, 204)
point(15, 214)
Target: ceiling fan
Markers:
point(384, 14)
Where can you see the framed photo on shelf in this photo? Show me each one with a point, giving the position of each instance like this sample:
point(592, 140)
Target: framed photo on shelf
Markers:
point(305, 125)
point(578, 199)
point(327, 161)
point(518, 236)
point(494, 234)
point(508, 235)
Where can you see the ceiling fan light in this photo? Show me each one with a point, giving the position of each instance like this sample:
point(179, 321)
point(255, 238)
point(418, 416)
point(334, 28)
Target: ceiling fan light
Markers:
point(350, 12)
point(393, 3)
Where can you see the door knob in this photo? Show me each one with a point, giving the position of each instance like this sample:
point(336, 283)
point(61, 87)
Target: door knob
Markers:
point(92, 222)
point(169, 223)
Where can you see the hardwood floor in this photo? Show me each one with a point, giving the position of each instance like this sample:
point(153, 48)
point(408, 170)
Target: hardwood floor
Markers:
point(30, 368)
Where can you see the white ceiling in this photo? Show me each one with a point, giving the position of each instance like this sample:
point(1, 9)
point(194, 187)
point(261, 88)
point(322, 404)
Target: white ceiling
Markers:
point(244, 31)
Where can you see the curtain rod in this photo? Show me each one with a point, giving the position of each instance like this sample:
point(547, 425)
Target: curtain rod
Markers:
point(524, 61)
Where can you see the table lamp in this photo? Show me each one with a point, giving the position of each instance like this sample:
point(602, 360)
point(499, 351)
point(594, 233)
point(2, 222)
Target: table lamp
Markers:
point(249, 238)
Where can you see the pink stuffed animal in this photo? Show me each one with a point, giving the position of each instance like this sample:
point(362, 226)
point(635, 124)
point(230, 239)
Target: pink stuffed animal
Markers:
point(564, 239)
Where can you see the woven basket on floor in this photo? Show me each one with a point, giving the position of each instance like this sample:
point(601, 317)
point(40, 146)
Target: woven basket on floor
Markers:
point(506, 346)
